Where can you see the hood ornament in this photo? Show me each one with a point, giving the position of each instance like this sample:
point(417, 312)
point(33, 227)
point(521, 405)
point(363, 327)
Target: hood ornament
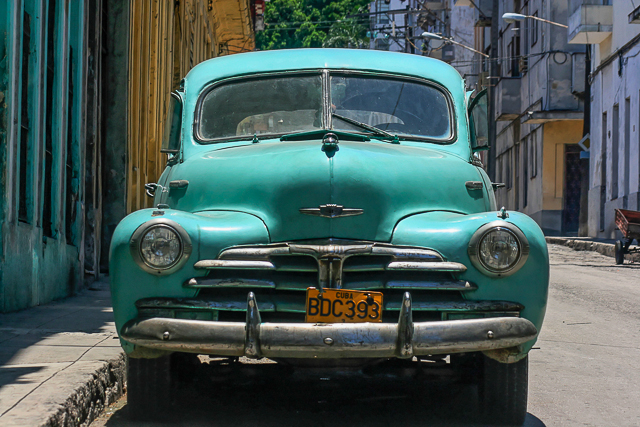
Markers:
point(330, 144)
point(330, 140)
point(331, 211)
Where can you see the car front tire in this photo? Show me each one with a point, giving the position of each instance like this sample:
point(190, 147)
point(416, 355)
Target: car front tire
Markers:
point(149, 386)
point(503, 391)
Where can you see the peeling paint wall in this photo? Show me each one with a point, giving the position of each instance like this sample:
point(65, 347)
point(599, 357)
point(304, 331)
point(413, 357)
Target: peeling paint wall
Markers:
point(44, 56)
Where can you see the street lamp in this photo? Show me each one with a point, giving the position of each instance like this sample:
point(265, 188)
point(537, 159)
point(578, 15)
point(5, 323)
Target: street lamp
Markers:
point(514, 17)
point(433, 36)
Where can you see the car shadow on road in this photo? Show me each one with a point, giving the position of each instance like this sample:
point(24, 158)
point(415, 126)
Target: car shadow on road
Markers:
point(270, 396)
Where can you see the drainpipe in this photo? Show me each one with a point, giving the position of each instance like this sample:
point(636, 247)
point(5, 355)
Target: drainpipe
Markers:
point(583, 219)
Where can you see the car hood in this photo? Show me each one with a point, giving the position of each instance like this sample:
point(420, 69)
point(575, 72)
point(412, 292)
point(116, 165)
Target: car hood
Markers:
point(273, 181)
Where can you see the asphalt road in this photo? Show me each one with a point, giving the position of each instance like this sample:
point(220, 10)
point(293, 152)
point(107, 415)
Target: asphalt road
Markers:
point(583, 372)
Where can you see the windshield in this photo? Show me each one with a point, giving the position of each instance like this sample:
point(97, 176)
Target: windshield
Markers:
point(396, 106)
point(286, 104)
point(275, 105)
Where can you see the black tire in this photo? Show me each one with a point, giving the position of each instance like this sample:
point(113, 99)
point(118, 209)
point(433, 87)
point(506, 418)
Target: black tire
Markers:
point(619, 252)
point(149, 387)
point(503, 392)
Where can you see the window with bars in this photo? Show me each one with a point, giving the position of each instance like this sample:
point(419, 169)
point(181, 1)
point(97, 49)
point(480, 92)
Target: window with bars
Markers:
point(47, 212)
point(23, 167)
point(70, 194)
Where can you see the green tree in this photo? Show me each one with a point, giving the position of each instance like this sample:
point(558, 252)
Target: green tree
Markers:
point(313, 23)
point(346, 34)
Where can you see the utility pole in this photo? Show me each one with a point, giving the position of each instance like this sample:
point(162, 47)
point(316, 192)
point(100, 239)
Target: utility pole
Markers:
point(494, 72)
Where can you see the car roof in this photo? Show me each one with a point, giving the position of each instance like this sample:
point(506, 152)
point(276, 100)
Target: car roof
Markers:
point(336, 59)
point(396, 63)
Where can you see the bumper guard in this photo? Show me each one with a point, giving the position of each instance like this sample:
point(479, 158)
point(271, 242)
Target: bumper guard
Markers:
point(255, 339)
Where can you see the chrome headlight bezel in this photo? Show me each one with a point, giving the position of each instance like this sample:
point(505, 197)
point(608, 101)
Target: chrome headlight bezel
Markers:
point(136, 242)
point(476, 239)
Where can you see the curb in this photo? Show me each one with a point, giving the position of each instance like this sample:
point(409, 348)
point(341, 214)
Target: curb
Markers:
point(105, 387)
point(606, 249)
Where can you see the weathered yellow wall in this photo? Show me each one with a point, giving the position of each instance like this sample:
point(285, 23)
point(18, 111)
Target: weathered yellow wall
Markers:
point(555, 136)
point(167, 39)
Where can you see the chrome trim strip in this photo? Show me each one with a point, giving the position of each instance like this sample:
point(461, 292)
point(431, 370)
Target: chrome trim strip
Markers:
point(199, 304)
point(234, 264)
point(292, 305)
point(198, 283)
point(330, 248)
point(406, 252)
point(262, 252)
point(459, 285)
point(451, 285)
point(453, 267)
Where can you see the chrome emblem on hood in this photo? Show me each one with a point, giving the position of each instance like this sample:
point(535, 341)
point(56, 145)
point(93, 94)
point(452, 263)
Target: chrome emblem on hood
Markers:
point(331, 211)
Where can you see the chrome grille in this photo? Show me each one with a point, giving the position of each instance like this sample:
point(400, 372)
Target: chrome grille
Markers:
point(356, 265)
point(279, 273)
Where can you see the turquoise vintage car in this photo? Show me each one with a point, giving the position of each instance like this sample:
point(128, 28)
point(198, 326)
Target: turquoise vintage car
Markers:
point(328, 204)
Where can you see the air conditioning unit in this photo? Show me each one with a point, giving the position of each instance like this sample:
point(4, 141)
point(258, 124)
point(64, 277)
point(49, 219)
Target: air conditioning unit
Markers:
point(483, 79)
point(523, 64)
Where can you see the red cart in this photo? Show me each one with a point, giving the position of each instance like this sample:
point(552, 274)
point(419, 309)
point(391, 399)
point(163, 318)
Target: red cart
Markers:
point(628, 222)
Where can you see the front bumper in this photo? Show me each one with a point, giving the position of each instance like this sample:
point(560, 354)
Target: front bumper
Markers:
point(336, 340)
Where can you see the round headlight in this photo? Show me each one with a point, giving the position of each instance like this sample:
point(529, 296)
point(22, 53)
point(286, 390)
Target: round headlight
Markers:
point(160, 247)
point(498, 249)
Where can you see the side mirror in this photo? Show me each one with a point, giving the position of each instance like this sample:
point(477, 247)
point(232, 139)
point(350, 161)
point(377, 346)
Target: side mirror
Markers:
point(479, 122)
point(172, 125)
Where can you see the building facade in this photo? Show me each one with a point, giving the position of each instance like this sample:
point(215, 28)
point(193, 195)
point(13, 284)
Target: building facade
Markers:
point(611, 31)
point(83, 88)
point(539, 110)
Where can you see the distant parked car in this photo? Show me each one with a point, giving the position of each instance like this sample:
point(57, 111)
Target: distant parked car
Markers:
point(327, 206)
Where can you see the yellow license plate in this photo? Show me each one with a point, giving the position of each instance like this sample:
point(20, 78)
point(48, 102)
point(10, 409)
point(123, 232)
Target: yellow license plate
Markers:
point(343, 306)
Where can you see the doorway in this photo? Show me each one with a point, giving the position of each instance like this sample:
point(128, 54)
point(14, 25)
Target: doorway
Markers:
point(572, 176)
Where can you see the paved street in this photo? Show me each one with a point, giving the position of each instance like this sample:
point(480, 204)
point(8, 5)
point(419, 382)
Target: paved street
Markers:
point(583, 371)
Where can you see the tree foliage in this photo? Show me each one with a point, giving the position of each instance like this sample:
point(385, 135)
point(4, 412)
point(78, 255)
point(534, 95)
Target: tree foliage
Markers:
point(313, 23)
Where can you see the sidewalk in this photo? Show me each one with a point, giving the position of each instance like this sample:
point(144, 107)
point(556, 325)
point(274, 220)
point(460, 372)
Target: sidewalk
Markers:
point(604, 246)
point(60, 363)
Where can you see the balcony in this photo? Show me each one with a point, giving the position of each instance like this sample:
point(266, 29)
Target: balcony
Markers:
point(508, 99)
point(634, 17)
point(590, 24)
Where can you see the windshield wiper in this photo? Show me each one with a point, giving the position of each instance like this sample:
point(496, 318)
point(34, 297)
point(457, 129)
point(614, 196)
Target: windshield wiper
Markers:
point(375, 130)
